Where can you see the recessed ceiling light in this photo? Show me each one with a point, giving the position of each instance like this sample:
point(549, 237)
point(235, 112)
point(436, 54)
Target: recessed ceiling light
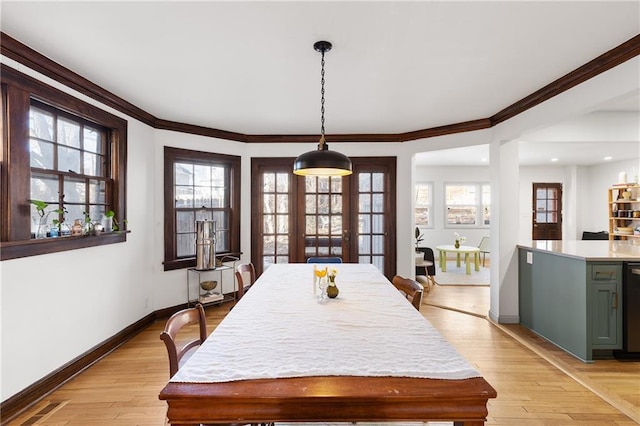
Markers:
point(484, 160)
point(553, 160)
point(607, 158)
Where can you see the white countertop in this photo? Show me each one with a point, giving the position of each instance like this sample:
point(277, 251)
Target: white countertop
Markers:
point(619, 250)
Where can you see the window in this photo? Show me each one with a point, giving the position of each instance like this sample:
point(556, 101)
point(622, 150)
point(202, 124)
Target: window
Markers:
point(200, 186)
point(468, 205)
point(62, 151)
point(424, 205)
point(69, 165)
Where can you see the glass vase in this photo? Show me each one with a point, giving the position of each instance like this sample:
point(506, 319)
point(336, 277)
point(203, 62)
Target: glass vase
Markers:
point(332, 289)
point(322, 286)
point(65, 230)
point(43, 228)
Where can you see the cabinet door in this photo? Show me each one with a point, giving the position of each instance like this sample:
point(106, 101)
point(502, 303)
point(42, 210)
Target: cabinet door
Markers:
point(604, 314)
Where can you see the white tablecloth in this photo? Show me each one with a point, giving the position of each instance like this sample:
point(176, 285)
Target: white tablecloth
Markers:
point(278, 329)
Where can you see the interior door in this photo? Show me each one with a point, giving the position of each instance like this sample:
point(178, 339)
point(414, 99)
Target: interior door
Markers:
point(352, 217)
point(324, 218)
point(547, 211)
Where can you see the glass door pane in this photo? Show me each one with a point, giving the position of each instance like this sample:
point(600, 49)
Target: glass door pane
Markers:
point(323, 221)
point(371, 211)
point(275, 218)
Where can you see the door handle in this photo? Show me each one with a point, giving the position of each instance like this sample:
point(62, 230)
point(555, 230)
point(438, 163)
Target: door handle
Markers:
point(615, 300)
point(346, 235)
point(635, 271)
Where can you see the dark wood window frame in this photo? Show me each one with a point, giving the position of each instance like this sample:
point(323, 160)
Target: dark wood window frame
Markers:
point(18, 90)
point(173, 155)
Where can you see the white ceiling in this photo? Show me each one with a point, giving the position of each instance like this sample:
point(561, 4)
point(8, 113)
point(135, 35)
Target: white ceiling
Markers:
point(574, 142)
point(250, 67)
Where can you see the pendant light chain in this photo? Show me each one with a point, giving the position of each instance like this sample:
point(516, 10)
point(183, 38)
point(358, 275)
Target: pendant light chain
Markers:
point(322, 161)
point(322, 97)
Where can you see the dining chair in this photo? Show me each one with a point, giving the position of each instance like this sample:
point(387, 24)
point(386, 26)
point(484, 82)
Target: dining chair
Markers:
point(177, 321)
point(485, 247)
point(411, 289)
point(246, 276)
point(331, 259)
point(426, 272)
point(177, 357)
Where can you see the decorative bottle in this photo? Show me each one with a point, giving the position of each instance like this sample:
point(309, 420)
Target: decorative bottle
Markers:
point(77, 228)
point(332, 289)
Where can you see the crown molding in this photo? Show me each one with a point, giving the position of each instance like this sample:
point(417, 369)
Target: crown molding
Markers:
point(198, 130)
point(12, 48)
point(614, 57)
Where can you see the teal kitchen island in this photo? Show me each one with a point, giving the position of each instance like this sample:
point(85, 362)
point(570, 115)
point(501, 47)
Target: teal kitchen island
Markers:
point(570, 293)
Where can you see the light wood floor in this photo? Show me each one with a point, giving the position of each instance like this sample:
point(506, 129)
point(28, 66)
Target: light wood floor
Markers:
point(536, 383)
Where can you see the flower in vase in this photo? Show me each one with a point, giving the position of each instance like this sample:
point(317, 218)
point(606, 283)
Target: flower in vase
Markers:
point(459, 239)
point(321, 273)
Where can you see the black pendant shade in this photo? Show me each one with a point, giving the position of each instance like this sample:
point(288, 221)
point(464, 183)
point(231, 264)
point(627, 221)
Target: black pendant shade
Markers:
point(322, 162)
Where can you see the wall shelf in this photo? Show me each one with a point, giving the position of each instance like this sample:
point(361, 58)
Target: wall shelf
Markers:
point(624, 213)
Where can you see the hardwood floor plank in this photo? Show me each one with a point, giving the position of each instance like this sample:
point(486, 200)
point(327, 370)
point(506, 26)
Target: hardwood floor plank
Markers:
point(122, 389)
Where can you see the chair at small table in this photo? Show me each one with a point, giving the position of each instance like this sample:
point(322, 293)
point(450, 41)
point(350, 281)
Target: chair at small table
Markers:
point(411, 289)
point(324, 260)
point(426, 271)
point(246, 276)
point(485, 247)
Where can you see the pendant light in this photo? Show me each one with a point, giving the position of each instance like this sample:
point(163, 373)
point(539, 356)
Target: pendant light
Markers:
point(322, 162)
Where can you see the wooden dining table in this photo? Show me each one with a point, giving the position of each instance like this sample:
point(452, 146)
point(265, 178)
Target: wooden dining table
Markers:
point(283, 354)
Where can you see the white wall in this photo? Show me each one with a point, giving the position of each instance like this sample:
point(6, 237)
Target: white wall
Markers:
point(584, 197)
point(439, 176)
point(55, 307)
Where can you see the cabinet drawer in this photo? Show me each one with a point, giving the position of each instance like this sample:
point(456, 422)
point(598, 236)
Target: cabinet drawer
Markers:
point(605, 273)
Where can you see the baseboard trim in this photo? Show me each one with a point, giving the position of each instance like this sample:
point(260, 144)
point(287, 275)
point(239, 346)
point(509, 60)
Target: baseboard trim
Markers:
point(26, 398)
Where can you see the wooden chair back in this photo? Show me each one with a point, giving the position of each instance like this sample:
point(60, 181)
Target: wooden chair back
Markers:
point(246, 276)
point(174, 325)
point(411, 289)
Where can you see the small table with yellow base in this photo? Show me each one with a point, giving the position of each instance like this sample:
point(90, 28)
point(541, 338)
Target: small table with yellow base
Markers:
point(466, 250)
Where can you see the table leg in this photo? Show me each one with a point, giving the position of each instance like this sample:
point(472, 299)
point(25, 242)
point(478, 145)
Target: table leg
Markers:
point(467, 263)
point(476, 257)
point(458, 260)
point(443, 261)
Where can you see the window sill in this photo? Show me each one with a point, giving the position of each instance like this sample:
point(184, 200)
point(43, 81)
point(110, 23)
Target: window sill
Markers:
point(17, 249)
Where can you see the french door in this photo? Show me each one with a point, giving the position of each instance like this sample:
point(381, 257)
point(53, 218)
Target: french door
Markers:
point(296, 217)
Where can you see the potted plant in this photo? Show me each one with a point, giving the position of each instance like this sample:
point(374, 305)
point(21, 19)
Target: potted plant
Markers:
point(111, 222)
point(418, 237)
point(60, 227)
point(87, 229)
point(41, 208)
